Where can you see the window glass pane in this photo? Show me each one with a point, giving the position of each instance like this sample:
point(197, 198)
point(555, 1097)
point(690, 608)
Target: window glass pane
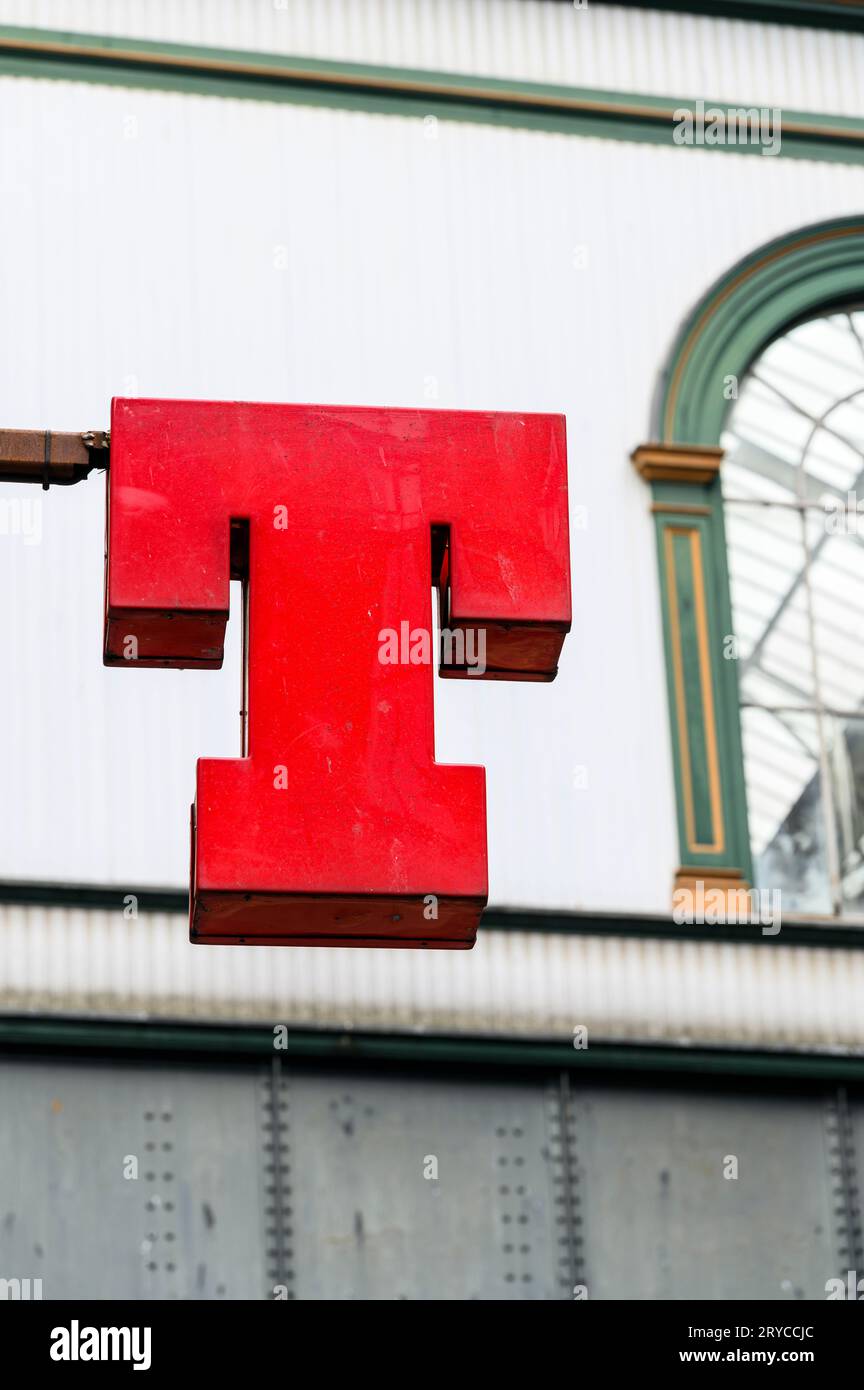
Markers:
point(799, 370)
point(845, 739)
point(752, 472)
point(832, 461)
point(815, 364)
point(764, 419)
point(785, 808)
point(769, 604)
point(837, 589)
point(793, 484)
point(798, 424)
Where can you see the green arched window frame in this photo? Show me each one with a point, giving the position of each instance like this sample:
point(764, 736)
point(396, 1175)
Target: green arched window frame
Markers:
point(757, 300)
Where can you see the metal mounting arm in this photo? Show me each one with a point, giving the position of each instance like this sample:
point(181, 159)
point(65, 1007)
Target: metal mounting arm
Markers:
point(42, 456)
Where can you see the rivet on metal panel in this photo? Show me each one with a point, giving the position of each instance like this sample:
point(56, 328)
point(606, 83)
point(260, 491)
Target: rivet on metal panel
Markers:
point(565, 1177)
point(274, 1124)
point(844, 1182)
point(515, 1207)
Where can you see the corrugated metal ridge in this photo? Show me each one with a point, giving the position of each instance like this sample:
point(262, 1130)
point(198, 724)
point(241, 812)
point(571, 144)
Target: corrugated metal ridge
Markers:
point(826, 932)
point(517, 985)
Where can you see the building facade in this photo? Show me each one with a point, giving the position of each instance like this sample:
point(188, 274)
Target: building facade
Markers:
point(652, 221)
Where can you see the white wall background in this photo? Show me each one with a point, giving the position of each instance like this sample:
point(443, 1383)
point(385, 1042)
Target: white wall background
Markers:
point(142, 256)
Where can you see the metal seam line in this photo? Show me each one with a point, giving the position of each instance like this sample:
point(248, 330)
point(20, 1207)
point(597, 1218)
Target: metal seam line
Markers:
point(275, 1091)
point(569, 1203)
point(849, 1179)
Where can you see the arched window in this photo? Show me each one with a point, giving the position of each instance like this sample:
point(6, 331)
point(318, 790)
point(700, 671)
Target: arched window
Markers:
point(762, 571)
point(793, 490)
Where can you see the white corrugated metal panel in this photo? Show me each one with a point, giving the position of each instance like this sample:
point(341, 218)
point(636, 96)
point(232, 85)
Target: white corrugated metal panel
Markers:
point(603, 46)
point(413, 266)
point(70, 960)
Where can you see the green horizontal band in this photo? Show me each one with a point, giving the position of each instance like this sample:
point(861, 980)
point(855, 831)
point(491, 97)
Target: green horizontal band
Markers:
point(399, 91)
point(68, 1035)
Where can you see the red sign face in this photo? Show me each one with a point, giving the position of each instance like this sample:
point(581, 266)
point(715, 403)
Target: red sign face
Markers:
point(338, 826)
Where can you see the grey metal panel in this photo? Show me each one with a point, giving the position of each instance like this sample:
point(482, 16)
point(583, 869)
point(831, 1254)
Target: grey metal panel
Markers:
point(370, 1225)
point(187, 1227)
point(269, 1181)
point(662, 1222)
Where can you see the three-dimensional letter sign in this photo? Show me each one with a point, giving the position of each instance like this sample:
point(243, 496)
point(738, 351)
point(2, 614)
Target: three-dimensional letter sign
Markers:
point(337, 826)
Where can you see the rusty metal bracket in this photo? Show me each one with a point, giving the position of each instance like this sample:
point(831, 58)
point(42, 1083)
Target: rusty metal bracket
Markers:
point(46, 457)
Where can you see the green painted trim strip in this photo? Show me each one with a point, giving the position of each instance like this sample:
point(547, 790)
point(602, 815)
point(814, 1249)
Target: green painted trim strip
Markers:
point(65, 1035)
point(89, 895)
point(751, 304)
point(815, 14)
point(395, 91)
point(705, 829)
point(727, 694)
point(705, 737)
point(821, 934)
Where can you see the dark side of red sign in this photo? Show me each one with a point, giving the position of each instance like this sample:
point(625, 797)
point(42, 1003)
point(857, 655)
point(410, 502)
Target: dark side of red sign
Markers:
point(337, 826)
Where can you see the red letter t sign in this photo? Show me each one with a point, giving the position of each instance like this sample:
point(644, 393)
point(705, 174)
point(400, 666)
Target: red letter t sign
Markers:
point(338, 826)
